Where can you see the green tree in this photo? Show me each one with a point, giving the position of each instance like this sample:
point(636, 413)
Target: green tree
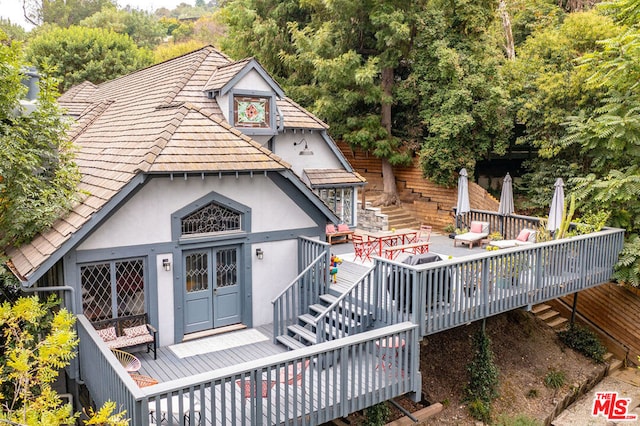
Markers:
point(38, 178)
point(610, 134)
point(80, 54)
point(341, 59)
point(462, 99)
point(63, 13)
point(39, 341)
point(12, 31)
point(143, 28)
point(546, 86)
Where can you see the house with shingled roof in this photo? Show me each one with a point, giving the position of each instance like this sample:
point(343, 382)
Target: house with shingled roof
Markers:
point(195, 163)
point(204, 196)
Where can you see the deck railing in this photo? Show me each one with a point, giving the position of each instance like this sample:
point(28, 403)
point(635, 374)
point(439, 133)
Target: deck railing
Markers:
point(509, 226)
point(350, 313)
point(306, 288)
point(446, 294)
point(289, 388)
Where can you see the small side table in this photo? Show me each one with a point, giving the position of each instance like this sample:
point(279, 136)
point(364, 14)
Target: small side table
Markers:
point(484, 242)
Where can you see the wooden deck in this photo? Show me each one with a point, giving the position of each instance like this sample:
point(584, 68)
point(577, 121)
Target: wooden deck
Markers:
point(169, 366)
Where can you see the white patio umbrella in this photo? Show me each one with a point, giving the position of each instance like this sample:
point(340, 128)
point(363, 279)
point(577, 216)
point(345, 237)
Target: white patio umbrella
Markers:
point(463, 193)
point(557, 206)
point(506, 197)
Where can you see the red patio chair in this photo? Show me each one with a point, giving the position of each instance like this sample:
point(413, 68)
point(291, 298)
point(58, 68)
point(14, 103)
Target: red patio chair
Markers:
point(362, 248)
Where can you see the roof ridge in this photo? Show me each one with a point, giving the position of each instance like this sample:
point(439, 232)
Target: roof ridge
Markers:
point(186, 77)
point(93, 111)
point(161, 141)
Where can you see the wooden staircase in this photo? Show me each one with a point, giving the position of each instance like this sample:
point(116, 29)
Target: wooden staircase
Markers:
point(429, 203)
point(400, 217)
point(346, 319)
point(557, 322)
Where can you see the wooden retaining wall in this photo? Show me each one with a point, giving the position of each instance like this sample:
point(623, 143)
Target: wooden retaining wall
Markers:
point(429, 203)
point(616, 310)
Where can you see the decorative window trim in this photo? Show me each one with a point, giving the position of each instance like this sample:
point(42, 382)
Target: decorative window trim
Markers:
point(244, 213)
point(252, 112)
point(268, 126)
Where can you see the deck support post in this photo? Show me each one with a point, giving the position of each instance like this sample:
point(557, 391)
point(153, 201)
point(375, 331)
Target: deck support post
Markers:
point(573, 308)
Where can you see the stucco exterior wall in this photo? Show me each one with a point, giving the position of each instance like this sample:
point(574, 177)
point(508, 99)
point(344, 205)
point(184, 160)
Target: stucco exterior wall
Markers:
point(322, 158)
point(146, 218)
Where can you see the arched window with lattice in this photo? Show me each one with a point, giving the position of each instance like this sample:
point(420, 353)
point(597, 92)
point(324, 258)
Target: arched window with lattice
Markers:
point(212, 218)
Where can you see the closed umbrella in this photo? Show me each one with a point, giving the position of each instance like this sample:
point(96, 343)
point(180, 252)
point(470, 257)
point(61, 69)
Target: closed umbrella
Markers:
point(557, 206)
point(506, 197)
point(463, 193)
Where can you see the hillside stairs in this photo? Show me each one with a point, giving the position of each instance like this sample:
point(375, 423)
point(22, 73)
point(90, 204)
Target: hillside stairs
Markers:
point(558, 322)
point(427, 202)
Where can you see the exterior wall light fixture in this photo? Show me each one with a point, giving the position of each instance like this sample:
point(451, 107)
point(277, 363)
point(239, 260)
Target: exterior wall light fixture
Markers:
point(306, 150)
point(259, 253)
point(166, 265)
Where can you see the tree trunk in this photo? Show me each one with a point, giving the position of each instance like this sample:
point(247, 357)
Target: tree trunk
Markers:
point(509, 45)
point(390, 191)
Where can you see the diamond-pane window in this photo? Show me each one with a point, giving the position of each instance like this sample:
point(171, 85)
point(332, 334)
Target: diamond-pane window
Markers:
point(103, 284)
point(227, 267)
point(96, 291)
point(211, 218)
point(196, 271)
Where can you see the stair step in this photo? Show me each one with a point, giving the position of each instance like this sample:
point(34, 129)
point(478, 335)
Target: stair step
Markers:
point(614, 366)
point(308, 319)
point(606, 357)
point(318, 308)
point(304, 333)
point(328, 298)
point(558, 323)
point(540, 308)
point(548, 315)
point(290, 342)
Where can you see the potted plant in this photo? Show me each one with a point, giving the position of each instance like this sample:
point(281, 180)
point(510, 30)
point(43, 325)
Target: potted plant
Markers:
point(450, 229)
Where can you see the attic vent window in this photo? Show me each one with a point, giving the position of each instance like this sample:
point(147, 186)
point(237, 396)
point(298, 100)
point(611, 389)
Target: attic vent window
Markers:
point(209, 219)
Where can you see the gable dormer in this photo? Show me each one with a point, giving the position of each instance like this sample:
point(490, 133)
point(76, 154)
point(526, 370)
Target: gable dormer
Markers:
point(247, 96)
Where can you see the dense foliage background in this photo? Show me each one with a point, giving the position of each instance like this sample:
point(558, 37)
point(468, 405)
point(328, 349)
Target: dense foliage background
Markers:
point(454, 82)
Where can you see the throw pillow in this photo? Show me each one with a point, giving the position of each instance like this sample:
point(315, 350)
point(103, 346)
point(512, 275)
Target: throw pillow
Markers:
point(523, 235)
point(136, 331)
point(107, 334)
point(476, 227)
point(343, 227)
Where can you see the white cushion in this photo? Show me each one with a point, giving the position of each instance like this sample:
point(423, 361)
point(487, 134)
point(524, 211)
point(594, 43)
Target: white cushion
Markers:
point(471, 236)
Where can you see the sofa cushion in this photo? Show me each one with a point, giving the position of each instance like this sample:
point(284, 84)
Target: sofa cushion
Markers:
point(107, 334)
point(343, 227)
point(139, 330)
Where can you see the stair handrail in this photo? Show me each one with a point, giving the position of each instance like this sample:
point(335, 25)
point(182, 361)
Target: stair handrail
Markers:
point(321, 336)
point(281, 319)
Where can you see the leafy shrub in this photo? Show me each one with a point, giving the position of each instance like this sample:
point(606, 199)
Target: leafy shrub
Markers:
point(482, 388)
point(480, 410)
point(554, 379)
point(377, 415)
point(583, 341)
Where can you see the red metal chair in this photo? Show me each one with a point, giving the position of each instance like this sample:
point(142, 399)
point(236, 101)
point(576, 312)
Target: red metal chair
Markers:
point(362, 248)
